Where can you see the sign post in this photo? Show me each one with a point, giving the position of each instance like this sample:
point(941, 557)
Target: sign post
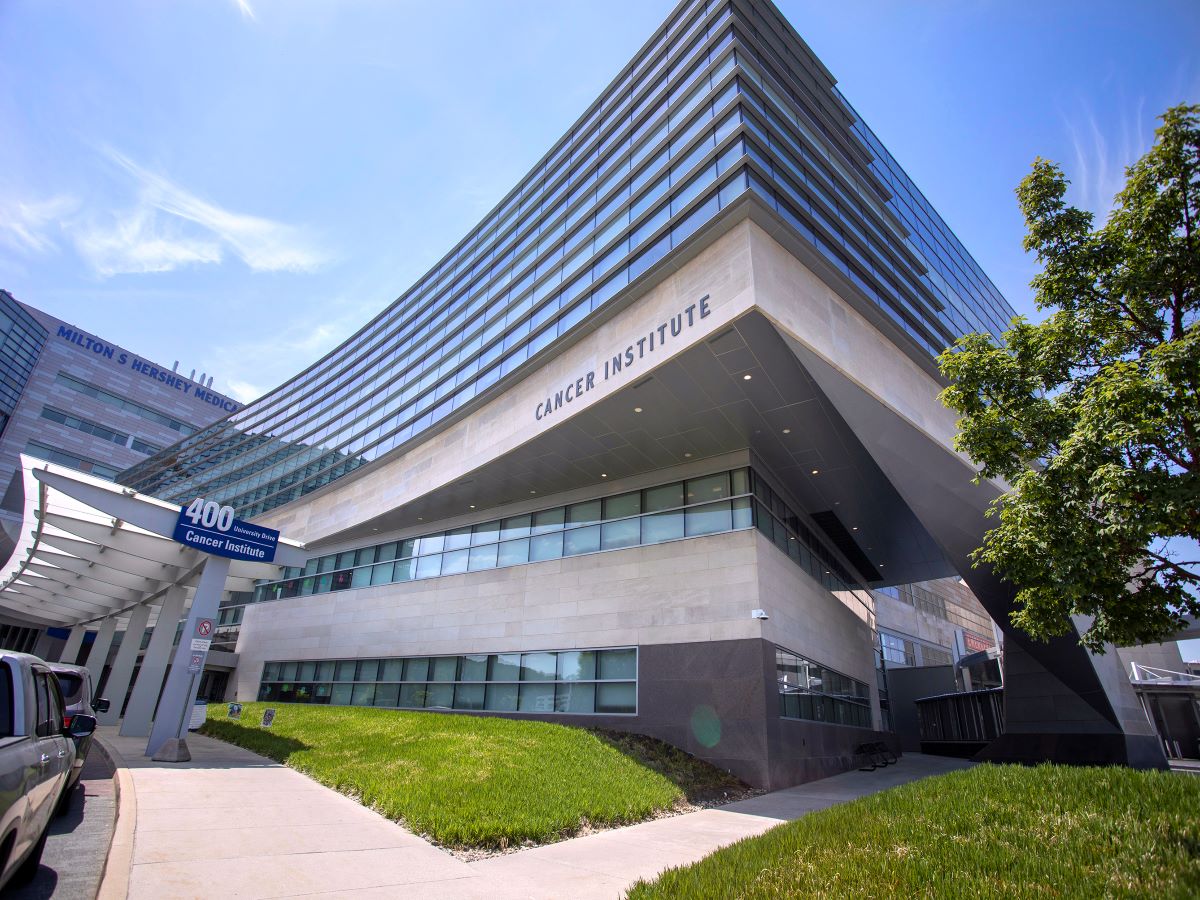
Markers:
point(207, 526)
point(168, 736)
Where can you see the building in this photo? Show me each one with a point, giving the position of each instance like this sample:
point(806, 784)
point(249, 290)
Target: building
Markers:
point(1169, 690)
point(72, 398)
point(646, 449)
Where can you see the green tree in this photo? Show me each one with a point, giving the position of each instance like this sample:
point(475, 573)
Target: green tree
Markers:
point(1092, 417)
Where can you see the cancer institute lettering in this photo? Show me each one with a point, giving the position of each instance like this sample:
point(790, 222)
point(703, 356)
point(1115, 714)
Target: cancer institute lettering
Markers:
point(627, 358)
point(148, 370)
point(212, 528)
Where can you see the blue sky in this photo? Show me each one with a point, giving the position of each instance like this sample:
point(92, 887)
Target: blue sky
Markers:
point(240, 184)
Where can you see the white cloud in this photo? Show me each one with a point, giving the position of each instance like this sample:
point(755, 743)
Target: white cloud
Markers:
point(246, 10)
point(170, 227)
point(313, 328)
point(138, 242)
point(24, 226)
point(1100, 160)
point(243, 391)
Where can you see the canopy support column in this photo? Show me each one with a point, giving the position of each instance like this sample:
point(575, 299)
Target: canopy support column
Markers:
point(70, 650)
point(122, 670)
point(174, 710)
point(150, 677)
point(98, 655)
point(42, 648)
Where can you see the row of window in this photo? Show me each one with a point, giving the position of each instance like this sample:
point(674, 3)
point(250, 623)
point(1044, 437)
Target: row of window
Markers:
point(699, 506)
point(345, 467)
point(21, 340)
point(972, 302)
point(985, 306)
point(420, 335)
point(566, 221)
point(972, 293)
point(145, 412)
point(808, 690)
point(940, 607)
point(71, 460)
point(783, 527)
point(97, 430)
point(653, 515)
point(566, 681)
point(562, 300)
point(901, 651)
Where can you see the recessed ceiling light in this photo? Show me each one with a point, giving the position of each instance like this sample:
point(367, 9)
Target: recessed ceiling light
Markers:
point(787, 431)
point(420, 519)
point(855, 528)
point(816, 471)
point(603, 474)
point(472, 506)
point(688, 455)
point(747, 377)
point(637, 409)
point(533, 492)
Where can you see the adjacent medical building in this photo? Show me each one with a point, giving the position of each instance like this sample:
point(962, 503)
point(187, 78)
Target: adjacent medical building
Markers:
point(654, 445)
point(72, 398)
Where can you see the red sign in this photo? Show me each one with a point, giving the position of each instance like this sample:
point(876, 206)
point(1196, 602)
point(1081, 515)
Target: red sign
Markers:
point(975, 643)
point(204, 627)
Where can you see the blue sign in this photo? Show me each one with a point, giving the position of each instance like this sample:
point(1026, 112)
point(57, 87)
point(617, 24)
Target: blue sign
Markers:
point(205, 525)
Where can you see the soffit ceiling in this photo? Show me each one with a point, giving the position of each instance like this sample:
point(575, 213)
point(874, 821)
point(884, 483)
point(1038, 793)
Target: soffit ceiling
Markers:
point(695, 406)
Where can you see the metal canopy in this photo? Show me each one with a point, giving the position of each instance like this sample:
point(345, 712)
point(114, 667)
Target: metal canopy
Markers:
point(90, 549)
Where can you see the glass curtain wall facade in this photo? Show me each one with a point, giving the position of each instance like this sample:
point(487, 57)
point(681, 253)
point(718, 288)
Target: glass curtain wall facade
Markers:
point(724, 101)
point(21, 340)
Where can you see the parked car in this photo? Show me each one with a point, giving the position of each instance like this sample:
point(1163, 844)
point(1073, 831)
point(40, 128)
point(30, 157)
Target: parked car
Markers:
point(36, 756)
point(76, 684)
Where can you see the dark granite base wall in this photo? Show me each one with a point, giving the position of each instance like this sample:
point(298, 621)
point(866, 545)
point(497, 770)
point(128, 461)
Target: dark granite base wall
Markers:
point(717, 700)
point(799, 750)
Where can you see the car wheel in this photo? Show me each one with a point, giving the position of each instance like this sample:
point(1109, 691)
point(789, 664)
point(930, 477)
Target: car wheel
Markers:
point(28, 869)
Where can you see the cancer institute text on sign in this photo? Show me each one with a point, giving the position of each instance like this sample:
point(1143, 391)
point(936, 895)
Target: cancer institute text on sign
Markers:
point(207, 526)
point(637, 349)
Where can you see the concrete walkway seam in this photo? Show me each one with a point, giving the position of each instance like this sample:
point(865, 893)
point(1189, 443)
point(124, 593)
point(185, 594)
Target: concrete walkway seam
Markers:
point(114, 885)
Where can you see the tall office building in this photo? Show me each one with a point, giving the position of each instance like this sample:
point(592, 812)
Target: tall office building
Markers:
point(634, 453)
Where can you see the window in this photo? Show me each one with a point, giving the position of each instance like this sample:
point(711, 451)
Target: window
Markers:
point(808, 690)
point(62, 458)
point(87, 427)
point(6, 710)
point(49, 705)
point(90, 390)
point(712, 504)
point(897, 650)
point(561, 681)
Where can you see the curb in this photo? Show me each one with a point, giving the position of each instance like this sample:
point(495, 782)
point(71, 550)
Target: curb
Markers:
point(114, 883)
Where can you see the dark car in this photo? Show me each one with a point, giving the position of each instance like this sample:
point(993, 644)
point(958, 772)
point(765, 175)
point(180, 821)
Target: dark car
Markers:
point(76, 685)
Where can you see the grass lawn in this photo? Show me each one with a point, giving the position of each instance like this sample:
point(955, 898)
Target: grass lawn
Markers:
point(990, 831)
point(475, 781)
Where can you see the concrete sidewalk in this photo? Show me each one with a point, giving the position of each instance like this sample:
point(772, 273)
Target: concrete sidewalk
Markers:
point(232, 824)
